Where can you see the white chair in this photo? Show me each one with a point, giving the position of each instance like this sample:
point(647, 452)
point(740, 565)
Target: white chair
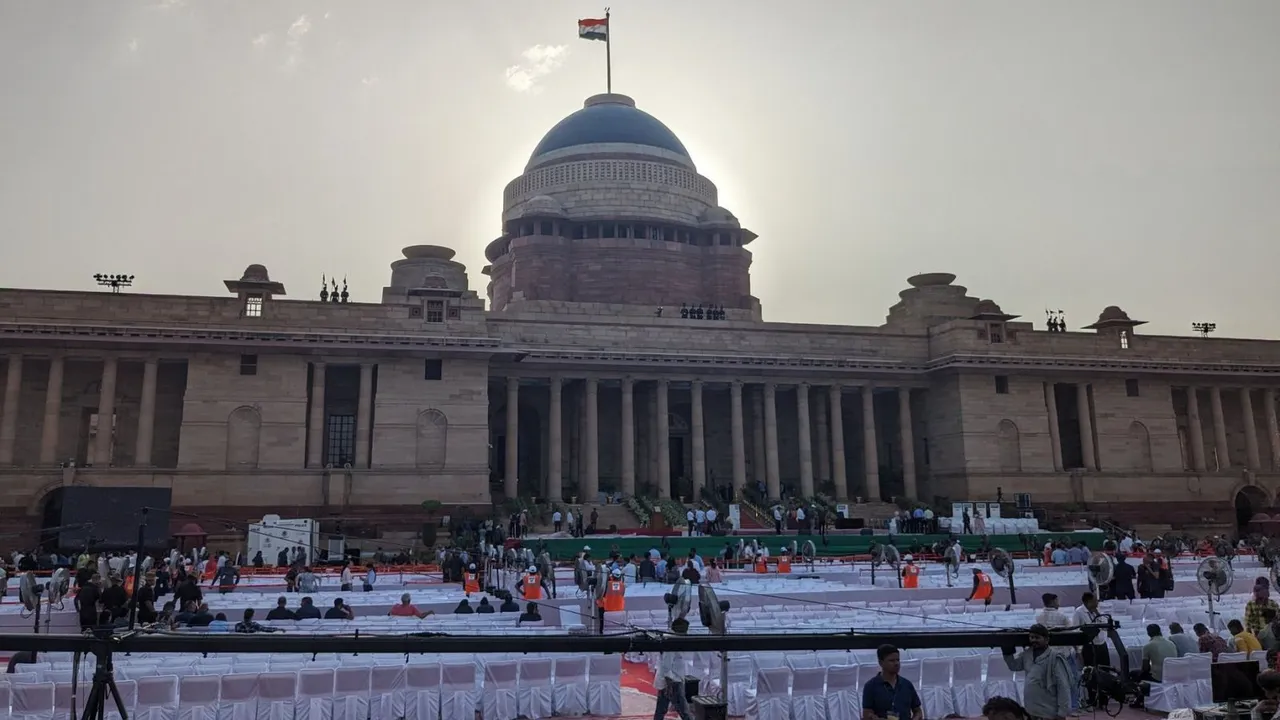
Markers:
point(844, 693)
point(808, 688)
point(351, 693)
point(534, 695)
point(157, 698)
point(421, 692)
point(276, 696)
point(604, 685)
point(569, 694)
point(62, 704)
point(32, 701)
point(314, 700)
point(935, 687)
point(459, 693)
point(966, 685)
point(128, 697)
point(773, 694)
point(501, 688)
point(386, 691)
point(741, 675)
point(1168, 694)
point(238, 697)
point(1000, 680)
point(198, 697)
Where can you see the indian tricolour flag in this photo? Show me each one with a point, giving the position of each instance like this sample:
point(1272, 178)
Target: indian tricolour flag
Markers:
point(594, 29)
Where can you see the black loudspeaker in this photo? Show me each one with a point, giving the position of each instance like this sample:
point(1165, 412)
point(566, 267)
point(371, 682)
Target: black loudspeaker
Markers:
point(691, 685)
point(709, 708)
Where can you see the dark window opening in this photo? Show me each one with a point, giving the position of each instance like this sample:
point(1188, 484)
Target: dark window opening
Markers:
point(546, 228)
point(1131, 387)
point(435, 311)
point(433, 369)
point(248, 364)
point(1002, 385)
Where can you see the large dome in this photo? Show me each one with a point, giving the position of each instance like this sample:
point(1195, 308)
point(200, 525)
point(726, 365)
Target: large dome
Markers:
point(609, 119)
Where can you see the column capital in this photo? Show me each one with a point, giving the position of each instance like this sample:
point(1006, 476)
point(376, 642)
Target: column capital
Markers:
point(513, 381)
point(556, 380)
point(802, 384)
point(735, 385)
point(696, 382)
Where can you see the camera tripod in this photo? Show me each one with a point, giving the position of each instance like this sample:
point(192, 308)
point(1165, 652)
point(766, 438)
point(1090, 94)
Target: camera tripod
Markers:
point(104, 685)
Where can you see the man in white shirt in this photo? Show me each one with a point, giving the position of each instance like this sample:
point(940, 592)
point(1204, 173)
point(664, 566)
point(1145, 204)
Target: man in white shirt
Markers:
point(700, 517)
point(777, 520)
point(1094, 653)
point(799, 518)
point(557, 521)
point(689, 518)
point(1051, 616)
point(711, 519)
point(669, 679)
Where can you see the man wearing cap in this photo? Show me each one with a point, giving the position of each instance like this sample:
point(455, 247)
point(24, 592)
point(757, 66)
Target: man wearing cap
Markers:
point(1047, 689)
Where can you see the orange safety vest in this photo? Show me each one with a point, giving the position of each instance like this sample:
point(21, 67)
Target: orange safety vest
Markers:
point(762, 565)
point(615, 597)
point(210, 569)
point(128, 585)
point(532, 587)
point(784, 564)
point(911, 577)
point(470, 583)
point(984, 590)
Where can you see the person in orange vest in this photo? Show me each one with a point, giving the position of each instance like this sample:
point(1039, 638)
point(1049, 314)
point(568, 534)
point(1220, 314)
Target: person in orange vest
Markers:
point(910, 574)
point(784, 563)
point(471, 580)
point(531, 585)
point(762, 563)
point(982, 588)
point(615, 594)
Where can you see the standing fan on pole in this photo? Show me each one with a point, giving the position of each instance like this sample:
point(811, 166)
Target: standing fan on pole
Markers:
point(1002, 565)
point(1101, 569)
point(808, 554)
point(951, 558)
point(679, 601)
point(1214, 576)
point(885, 555)
point(711, 611)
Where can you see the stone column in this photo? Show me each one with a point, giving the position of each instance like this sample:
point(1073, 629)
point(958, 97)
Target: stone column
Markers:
point(104, 443)
point(1195, 429)
point(146, 414)
point(1219, 428)
point(51, 430)
point(823, 438)
point(805, 440)
point(908, 444)
point(1086, 426)
point(628, 437)
point(1273, 429)
point(699, 440)
point(838, 473)
point(772, 478)
point(9, 414)
point(364, 416)
point(655, 474)
point(591, 485)
point(1250, 429)
point(1055, 433)
point(555, 441)
point(575, 437)
point(315, 426)
point(759, 465)
point(870, 450)
point(664, 440)
point(511, 483)
point(739, 442)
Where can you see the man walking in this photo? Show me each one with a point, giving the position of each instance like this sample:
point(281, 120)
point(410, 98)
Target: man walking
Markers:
point(669, 680)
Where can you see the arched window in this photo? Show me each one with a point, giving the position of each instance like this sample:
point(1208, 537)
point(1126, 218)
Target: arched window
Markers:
point(433, 439)
point(244, 433)
point(1010, 446)
point(1139, 443)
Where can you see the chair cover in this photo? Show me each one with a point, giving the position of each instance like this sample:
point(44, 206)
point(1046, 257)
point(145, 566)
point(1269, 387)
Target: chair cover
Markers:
point(157, 698)
point(604, 685)
point(276, 693)
point(198, 697)
point(966, 685)
point(32, 701)
point(808, 688)
point(1000, 680)
point(773, 695)
point(238, 698)
point(315, 695)
point(844, 693)
point(935, 687)
point(501, 682)
point(459, 693)
point(1176, 690)
point(569, 694)
point(534, 697)
point(741, 675)
point(386, 691)
point(422, 692)
point(351, 693)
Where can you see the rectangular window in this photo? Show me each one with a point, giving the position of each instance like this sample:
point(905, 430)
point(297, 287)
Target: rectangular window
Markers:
point(341, 436)
point(996, 333)
point(433, 370)
point(1131, 387)
point(435, 311)
point(253, 306)
point(1002, 385)
point(1124, 339)
point(248, 364)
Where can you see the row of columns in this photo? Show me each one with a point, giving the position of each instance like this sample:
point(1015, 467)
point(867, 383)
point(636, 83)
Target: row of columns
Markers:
point(1253, 459)
point(831, 449)
point(101, 451)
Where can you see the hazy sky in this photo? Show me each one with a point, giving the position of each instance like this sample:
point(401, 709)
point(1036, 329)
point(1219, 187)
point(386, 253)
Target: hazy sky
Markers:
point(1052, 154)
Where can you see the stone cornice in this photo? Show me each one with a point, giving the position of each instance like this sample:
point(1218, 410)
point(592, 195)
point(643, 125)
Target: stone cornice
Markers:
point(242, 337)
point(1100, 364)
point(677, 359)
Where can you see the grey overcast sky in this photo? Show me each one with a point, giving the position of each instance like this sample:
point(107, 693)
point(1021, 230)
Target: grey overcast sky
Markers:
point(1052, 154)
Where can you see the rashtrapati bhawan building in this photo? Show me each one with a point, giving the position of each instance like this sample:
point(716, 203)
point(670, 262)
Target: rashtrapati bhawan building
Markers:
point(621, 349)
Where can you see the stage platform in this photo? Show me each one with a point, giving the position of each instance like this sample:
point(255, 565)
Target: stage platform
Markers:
point(843, 545)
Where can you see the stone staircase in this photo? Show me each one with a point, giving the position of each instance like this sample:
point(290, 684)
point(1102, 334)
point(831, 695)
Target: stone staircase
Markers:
point(617, 515)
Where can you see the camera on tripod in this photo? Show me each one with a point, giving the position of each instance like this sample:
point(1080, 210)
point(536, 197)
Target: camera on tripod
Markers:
point(1109, 684)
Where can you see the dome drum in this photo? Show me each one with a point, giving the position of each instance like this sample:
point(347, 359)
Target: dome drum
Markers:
point(611, 229)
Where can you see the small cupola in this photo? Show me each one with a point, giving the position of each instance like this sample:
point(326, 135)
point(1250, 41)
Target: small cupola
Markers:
point(254, 289)
point(994, 320)
point(1117, 323)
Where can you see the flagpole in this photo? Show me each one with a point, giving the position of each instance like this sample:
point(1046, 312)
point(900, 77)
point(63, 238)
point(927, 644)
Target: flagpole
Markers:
point(608, 57)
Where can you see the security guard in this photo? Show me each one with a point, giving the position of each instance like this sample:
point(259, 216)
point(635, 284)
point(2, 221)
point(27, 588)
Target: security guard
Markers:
point(531, 585)
point(784, 563)
point(471, 580)
point(615, 594)
point(982, 588)
point(910, 574)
